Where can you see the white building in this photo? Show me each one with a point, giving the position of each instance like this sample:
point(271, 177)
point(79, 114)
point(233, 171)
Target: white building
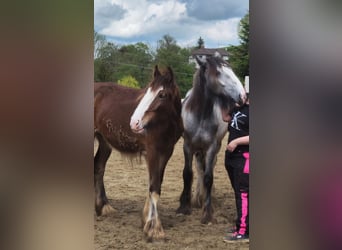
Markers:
point(202, 53)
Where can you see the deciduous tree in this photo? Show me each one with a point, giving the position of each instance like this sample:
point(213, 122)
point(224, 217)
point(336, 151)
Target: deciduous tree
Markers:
point(171, 54)
point(239, 55)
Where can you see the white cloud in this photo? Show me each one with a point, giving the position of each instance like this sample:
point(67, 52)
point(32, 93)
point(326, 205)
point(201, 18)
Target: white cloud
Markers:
point(143, 17)
point(146, 20)
point(225, 30)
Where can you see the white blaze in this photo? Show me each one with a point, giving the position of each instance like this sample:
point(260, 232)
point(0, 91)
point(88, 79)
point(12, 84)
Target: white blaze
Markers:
point(142, 107)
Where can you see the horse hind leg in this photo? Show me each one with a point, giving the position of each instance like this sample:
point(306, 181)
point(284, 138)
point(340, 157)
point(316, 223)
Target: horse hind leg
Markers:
point(102, 206)
point(208, 211)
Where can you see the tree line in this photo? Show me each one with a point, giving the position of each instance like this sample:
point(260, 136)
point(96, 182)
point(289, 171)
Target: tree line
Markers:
point(132, 65)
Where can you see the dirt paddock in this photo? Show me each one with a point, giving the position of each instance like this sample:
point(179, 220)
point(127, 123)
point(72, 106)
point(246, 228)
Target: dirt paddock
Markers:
point(127, 186)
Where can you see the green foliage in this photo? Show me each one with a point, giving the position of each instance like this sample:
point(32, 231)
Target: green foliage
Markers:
point(239, 55)
point(104, 63)
point(239, 60)
point(129, 81)
point(170, 54)
point(134, 60)
point(113, 62)
point(243, 29)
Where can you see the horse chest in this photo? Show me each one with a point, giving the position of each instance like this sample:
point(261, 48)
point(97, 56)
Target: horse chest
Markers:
point(201, 133)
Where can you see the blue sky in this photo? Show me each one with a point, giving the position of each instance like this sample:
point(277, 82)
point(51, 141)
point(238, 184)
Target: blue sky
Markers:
point(131, 21)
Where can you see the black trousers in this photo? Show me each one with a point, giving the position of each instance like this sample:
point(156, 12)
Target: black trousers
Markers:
point(237, 166)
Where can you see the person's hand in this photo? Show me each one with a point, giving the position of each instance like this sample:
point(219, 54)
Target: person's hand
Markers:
point(231, 146)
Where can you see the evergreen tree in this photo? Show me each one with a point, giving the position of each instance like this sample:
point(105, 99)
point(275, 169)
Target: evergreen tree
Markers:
point(200, 43)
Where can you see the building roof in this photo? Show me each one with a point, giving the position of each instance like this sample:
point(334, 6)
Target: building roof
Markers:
point(206, 51)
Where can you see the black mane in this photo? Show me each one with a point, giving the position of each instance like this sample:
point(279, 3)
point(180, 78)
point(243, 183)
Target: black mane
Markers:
point(202, 100)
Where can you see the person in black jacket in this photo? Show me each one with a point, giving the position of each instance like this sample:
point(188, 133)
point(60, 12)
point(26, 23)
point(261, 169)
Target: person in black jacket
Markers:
point(237, 166)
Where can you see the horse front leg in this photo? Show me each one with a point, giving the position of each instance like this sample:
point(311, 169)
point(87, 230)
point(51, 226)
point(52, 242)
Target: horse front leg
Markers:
point(207, 215)
point(102, 206)
point(185, 198)
point(153, 228)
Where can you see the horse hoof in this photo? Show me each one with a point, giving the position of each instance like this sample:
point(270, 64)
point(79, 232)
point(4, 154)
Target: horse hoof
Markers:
point(183, 211)
point(153, 236)
point(208, 221)
point(107, 209)
point(154, 231)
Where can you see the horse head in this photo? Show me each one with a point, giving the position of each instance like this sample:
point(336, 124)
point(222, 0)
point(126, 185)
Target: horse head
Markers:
point(160, 102)
point(222, 82)
point(221, 79)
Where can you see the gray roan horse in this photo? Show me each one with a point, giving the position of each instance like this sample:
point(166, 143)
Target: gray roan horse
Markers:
point(138, 122)
point(216, 91)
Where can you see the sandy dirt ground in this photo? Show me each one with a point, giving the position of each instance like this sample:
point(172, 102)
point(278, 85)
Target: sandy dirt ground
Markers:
point(126, 186)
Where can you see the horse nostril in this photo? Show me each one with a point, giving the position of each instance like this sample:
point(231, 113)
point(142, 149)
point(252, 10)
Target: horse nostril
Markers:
point(134, 123)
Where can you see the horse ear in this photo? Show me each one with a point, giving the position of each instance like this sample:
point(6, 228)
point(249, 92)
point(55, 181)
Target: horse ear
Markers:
point(200, 61)
point(156, 71)
point(170, 73)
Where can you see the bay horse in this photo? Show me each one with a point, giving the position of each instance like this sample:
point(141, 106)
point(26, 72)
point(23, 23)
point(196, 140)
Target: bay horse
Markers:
point(138, 122)
point(216, 91)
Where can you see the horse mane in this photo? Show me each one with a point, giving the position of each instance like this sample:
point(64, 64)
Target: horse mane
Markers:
point(199, 101)
point(197, 93)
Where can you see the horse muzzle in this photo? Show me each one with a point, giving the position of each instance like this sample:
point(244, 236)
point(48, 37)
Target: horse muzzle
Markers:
point(242, 100)
point(137, 126)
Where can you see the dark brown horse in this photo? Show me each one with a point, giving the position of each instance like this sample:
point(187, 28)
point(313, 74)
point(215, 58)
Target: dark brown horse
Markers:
point(143, 122)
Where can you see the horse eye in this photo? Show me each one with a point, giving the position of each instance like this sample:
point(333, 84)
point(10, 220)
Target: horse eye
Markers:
point(162, 95)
